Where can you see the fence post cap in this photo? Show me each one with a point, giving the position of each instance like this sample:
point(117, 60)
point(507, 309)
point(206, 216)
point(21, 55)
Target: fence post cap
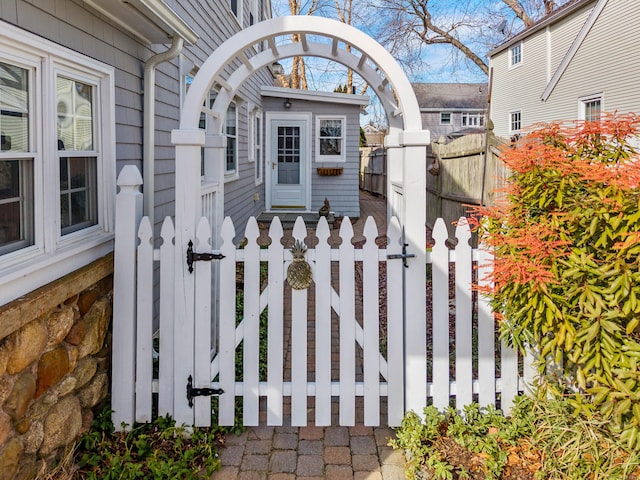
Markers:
point(129, 176)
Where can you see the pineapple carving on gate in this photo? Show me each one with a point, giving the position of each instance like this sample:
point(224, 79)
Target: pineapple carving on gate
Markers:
point(299, 274)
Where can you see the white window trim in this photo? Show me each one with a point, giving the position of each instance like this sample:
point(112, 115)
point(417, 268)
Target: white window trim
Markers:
point(255, 11)
point(256, 150)
point(511, 131)
point(239, 16)
point(52, 255)
point(331, 158)
point(251, 113)
point(480, 116)
point(510, 53)
point(589, 98)
point(450, 118)
point(230, 175)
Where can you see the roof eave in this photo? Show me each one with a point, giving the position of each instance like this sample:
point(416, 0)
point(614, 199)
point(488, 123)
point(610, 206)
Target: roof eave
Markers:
point(151, 21)
point(543, 23)
point(310, 95)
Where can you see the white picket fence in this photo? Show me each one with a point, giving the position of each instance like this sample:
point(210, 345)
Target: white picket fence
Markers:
point(365, 369)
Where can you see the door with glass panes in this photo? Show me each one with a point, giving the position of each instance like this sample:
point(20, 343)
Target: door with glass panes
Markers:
point(288, 163)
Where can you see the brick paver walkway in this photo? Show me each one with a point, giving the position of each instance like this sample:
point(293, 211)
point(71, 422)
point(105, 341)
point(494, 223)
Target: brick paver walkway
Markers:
point(335, 453)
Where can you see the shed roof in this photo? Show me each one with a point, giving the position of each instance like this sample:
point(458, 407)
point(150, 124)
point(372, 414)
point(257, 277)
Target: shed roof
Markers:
point(315, 96)
point(451, 96)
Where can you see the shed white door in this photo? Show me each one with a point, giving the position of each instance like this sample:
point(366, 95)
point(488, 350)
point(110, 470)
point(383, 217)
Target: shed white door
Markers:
point(289, 160)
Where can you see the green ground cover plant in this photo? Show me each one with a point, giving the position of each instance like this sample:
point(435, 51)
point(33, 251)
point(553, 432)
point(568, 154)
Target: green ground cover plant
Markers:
point(541, 439)
point(157, 450)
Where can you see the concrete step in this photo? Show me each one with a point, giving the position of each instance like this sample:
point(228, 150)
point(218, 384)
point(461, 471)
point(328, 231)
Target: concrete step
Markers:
point(288, 219)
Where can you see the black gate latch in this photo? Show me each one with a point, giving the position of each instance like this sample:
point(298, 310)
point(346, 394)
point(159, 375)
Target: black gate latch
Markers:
point(404, 255)
point(197, 257)
point(200, 392)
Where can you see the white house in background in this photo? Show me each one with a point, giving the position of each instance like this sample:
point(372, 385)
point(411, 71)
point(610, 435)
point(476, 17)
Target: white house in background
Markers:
point(573, 64)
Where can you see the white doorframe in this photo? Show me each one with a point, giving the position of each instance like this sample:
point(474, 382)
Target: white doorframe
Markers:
point(286, 116)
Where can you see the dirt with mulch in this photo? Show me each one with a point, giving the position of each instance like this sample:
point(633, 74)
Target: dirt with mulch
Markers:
point(522, 463)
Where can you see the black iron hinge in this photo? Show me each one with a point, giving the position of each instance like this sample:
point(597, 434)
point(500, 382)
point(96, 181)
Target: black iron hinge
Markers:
point(200, 392)
point(197, 257)
point(404, 255)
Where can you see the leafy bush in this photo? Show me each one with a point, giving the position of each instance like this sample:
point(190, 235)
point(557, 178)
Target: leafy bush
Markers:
point(157, 450)
point(485, 433)
point(567, 263)
point(541, 439)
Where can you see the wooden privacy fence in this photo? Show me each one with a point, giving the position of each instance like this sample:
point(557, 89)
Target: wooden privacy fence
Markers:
point(336, 351)
point(465, 171)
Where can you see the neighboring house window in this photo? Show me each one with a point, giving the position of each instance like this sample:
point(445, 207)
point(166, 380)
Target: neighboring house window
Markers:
point(230, 130)
point(236, 8)
point(590, 108)
point(515, 55)
point(330, 136)
point(57, 161)
point(255, 143)
point(257, 147)
point(515, 121)
point(253, 12)
point(472, 119)
point(445, 118)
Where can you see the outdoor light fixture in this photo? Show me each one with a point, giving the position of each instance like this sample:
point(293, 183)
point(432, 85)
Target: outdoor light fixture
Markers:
point(287, 104)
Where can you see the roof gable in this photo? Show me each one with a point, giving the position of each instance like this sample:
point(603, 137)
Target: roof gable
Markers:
point(556, 16)
point(595, 13)
point(451, 96)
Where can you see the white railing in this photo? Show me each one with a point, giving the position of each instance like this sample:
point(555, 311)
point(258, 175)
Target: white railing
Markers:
point(466, 372)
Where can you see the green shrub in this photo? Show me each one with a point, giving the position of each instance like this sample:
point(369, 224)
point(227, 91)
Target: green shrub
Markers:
point(157, 450)
point(567, 264)
point(542, 439)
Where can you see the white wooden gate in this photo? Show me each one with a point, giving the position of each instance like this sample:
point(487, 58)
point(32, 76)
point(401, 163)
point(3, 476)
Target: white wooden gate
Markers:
point(296, 365)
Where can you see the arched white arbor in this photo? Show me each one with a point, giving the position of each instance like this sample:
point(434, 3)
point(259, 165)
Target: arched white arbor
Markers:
point(319, 37)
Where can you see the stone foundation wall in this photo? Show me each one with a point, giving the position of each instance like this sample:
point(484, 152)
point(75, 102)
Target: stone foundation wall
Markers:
point(54, 363)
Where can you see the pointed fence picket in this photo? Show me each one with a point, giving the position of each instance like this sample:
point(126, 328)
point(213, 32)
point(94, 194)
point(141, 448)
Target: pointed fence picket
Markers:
point(464, 353)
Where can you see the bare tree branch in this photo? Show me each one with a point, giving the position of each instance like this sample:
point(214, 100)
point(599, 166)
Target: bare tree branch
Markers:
point(469, 27)
point(421, 10)
point(520, 12)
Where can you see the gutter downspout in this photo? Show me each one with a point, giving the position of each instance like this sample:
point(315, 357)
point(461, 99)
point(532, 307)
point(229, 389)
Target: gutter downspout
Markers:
point(149, 122)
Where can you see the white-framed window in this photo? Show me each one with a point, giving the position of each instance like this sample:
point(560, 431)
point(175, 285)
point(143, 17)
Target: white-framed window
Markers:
point(515, 121)
point(231, 131)
point(57, 161)
point(330, 139)
point(254, 13)
point(515, 55)
point(470, 119)
point(236, 9)
point(445, 118)
point(590, 108)
point(256, 143)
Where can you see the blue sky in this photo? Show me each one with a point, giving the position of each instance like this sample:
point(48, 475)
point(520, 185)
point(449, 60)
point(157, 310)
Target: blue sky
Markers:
point(436, 62)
